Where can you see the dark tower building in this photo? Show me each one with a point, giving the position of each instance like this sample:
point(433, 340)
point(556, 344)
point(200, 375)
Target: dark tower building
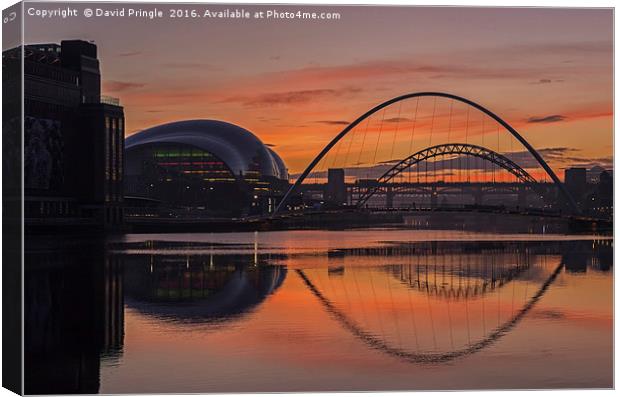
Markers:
point(576, 183)
point(73, 138)
point(336, 188)
point(81, 57)
point(601, 199)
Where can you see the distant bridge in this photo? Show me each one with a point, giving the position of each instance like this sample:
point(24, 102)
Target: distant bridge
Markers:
point(449, 149)
point(394, 189)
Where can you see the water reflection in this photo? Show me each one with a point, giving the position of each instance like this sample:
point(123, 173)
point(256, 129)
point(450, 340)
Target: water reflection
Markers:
point(198, 288)
point(73, 314)
point(92, 306)
point(462, 284)
point(458, 278)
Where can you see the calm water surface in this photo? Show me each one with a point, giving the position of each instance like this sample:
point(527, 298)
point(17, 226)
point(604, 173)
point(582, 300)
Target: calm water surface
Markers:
point(381, 309)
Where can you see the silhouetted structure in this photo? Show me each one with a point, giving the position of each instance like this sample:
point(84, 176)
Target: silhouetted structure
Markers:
point(576, 183)
point(592, 189)
point(413, 160)
point(600, 201)
point(336, 188)
point(73, 315)
point(73, 138)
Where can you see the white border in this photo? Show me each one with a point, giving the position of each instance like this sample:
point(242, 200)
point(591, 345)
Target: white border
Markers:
point(474, 3)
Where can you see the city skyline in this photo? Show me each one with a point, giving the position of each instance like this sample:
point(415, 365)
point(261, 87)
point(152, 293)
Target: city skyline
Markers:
point(299, 92)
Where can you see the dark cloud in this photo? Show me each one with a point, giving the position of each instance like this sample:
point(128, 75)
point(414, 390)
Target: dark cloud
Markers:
point(526, 160)
point(557, 151)
point(553, 48)
point(440, 166)
point(397, 120)
point(333, 122)
point(443, 165)
point(129, 53)
point(547, 314)
point(567, 157)
point(263, 119)
point(290, 97)
point(547, 81)
point(600, 162)
point(396, 67)
point(553, 118)
point(117, 86)
point(442, 69)
point(191, 65)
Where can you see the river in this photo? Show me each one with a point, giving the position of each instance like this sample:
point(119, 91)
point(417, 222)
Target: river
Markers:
point(317, 310)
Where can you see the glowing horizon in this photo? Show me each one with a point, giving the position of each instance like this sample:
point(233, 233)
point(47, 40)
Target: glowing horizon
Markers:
point(547, 72)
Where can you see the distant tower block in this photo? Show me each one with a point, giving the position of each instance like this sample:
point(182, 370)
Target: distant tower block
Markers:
point(336, 188)
point(575, 180)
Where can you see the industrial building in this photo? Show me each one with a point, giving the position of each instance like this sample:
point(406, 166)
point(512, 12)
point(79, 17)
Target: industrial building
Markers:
point(73, 136)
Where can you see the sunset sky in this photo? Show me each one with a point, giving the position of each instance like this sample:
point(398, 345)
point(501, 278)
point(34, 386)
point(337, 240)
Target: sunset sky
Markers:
point(548, 72)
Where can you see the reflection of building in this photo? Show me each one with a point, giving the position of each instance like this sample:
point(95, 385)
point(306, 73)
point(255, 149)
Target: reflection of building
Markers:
point(586, 256)
point(206, 166)
point(73, 315)
point(204, 288)
point(73, 146)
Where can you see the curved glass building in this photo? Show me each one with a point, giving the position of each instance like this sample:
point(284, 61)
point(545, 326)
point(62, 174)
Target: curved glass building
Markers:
point(206, 167)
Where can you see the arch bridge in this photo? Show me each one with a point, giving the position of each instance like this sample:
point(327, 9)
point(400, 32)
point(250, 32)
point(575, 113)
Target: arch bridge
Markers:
point(411, 159)
point(449, 149)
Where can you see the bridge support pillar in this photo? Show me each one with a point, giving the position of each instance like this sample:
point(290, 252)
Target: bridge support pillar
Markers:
point(389, 197)
point(478, 195)
point(434, 196)
point(521, 197)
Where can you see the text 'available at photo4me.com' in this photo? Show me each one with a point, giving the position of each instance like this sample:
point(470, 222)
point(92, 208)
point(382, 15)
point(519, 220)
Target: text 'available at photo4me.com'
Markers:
point(205, 12)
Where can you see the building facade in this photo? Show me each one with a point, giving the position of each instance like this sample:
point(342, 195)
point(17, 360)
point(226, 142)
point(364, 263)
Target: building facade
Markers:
point(592, 190)
point(73, 138)
point(202, 168)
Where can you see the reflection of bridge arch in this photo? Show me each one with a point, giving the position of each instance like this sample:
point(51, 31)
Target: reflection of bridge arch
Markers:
point(464, 290)
point(449, 279)
point(449, 149)
point(381, 345)
point(387, 103)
